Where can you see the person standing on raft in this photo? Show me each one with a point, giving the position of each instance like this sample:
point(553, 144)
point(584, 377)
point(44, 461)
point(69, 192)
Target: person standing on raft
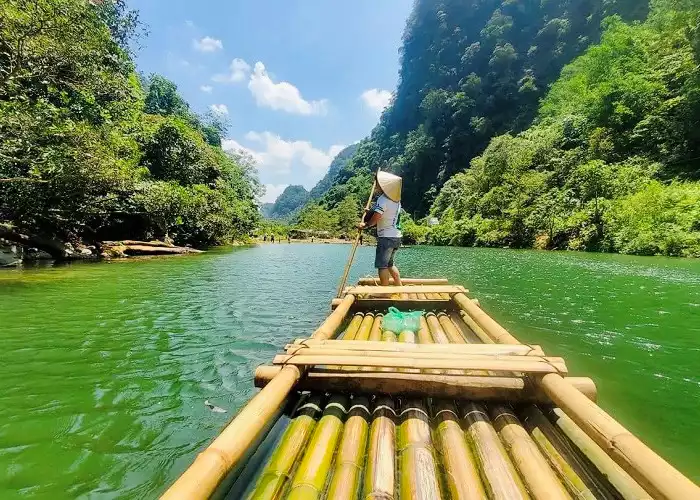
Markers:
point(386, 215)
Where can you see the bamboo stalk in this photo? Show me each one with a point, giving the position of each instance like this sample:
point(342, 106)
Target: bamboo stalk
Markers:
point(419, 353)
point(423, 385)
point(461, 472)
point(384, 290)
point(500, 477)
point(275, 476)
point(572, 471)
point(367, 345)
point(463, 328)
point(659, 478)
point(418, 477)
point(436, 329)
point(387, 336)
point(620, 480)
point(310, 477)
point(412, 296)
point(524, 364)
point(361, 331)
point(406, 281)
point(352, 328)
point(421, 296)
point(333, 322)
point(375, 335)
point(424, 336)
point(345, 481)
point(652, 472)
point(541, 480)
point(454, 335)
point(499, 334)
point(381, 456)
point(211, 466)
point(478, 331)
point(365, 328)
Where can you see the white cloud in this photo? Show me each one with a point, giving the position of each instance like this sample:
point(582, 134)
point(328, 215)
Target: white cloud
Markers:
point(239, 70)
point(272, 192)
point(219, 109)
point(281, 96)
point(376, 99)
point(206, 88)
point(276, 156)
point(207, 44)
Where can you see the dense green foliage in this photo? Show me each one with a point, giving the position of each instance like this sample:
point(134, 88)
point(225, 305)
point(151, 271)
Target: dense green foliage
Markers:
point(288, 203)
point(471, 69)
point(89, 151)
point(507, 146)
point(594, 172)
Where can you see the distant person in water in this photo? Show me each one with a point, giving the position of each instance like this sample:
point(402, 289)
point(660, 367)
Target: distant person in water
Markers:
point(386, 215)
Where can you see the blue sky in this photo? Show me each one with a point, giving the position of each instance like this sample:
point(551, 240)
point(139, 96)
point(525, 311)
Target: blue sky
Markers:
point(296, 79)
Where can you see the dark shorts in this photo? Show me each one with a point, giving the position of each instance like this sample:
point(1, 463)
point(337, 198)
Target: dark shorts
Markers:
point(386, 249)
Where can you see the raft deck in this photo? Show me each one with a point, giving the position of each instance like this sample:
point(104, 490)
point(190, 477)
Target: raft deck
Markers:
point(461, 409)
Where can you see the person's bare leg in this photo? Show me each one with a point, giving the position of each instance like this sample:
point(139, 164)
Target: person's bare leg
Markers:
point(394, 271)
point(384, 277)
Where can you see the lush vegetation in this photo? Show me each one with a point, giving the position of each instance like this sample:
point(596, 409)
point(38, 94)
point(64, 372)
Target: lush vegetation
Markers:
point(508, 146)
point(90, 151)
point(288, 203)
point(612, 162)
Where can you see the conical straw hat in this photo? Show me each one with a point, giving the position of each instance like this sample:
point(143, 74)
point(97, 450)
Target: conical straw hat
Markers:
point(390, 185)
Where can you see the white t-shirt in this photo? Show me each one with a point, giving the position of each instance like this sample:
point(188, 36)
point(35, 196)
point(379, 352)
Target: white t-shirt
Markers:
point(389, 226)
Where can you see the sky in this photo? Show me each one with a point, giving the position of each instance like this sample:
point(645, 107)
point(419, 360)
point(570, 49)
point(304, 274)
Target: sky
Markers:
point(296, 80)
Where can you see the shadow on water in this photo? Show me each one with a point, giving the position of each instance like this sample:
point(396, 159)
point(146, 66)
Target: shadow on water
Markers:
point(105, 367)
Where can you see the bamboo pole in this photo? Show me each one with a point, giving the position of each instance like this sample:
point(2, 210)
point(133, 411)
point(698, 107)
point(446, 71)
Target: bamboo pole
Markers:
point(436, 329)
point(333, 322)
point(561, 456)
point(421, 296)
point(365, 328)
point(524, 364)
point(454, 335)
point(659, 478)
point(275, 476)
point(478, 331)
point(651, 471)
point(310, 477)
point(423, 385)
point(406, 337)
point(463, 328)
point(353, 327)
point(375, 335)
point(406, 281)
point(461, 472)
point(425, 346)
point(362, 330)
point(424, 336)
point(499, 334)
point(345, 481)
point(381, 455)
point(212, 465)
point(348, 266)
point(392, 289)
point(418, 479)
point(500, 477)
point(542, 482)
point(619, 479)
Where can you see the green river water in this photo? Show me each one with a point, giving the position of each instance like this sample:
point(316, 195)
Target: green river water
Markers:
point(104, 368)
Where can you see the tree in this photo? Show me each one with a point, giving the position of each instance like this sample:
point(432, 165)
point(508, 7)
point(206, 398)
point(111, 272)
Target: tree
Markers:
point(348, 214)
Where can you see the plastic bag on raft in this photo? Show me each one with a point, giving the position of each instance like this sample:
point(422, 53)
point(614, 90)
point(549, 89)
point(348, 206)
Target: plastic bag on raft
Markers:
point(397, 321)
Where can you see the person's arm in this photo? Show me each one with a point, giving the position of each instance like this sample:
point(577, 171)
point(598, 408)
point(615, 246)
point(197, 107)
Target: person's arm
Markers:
point(378, 211)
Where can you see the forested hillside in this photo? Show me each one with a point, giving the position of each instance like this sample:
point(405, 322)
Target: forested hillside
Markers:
point(91, 152)
point(613, 161)
point(610, 160)
point(288, 203)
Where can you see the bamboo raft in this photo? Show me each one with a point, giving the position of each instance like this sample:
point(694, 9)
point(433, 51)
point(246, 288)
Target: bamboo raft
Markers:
point(461, 409)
